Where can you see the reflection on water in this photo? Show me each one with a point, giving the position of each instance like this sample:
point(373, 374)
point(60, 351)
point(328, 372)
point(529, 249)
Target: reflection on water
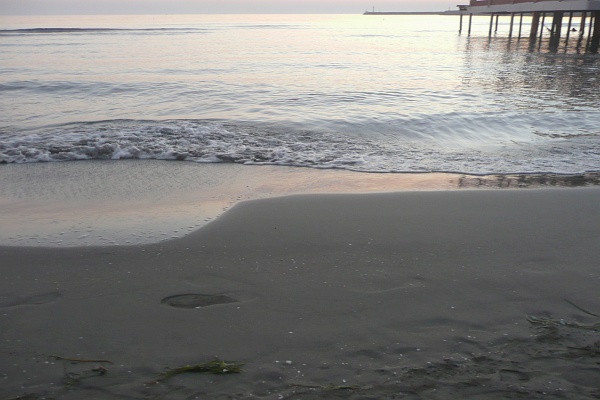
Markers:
point(560, 89)
point(565, 81)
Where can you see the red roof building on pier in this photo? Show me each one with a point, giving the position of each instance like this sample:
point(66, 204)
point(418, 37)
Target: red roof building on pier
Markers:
point(528, 6)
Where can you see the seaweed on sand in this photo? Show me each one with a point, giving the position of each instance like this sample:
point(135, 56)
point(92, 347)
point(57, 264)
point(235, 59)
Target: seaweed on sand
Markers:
point(217, 366)
point(582, 309)
point(80, 360)
point(545, 322)
point(331, 387)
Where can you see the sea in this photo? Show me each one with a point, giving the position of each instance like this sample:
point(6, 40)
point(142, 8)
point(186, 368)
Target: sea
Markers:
point(378, 94)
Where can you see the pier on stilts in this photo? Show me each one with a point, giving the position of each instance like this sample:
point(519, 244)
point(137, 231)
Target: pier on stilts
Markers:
point(588, 30)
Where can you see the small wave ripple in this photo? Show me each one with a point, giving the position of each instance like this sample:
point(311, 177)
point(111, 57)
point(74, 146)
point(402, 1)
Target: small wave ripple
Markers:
point(43, 31)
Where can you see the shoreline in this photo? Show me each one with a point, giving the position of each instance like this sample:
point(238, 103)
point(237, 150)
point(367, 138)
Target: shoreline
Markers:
point(107, 202)
point(416, 293)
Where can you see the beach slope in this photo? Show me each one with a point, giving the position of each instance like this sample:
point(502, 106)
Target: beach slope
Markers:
point(444, 294)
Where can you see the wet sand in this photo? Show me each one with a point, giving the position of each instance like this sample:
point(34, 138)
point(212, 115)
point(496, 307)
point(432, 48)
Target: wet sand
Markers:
point(422, 294)
point(107, 203)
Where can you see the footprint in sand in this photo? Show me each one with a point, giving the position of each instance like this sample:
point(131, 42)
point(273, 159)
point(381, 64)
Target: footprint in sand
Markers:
point(197, 300)
point(44, 298)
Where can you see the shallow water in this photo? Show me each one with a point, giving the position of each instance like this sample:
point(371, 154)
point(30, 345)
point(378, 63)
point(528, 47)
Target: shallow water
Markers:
point(134, 202)
point(362, 93)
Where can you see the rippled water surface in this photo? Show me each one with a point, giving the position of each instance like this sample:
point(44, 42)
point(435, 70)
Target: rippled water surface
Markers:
point(365, 93)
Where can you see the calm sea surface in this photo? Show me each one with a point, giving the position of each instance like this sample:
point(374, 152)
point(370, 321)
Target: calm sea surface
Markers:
point(364, 93)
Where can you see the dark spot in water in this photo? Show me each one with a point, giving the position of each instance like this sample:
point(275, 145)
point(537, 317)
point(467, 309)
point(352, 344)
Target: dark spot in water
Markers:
point(197, 300)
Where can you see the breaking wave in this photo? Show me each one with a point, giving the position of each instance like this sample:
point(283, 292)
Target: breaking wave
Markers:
point(216, 141)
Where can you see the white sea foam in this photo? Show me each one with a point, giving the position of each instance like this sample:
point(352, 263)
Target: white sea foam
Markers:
point(210, 142)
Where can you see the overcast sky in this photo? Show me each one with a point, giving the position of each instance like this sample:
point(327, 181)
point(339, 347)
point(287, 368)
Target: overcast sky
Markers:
point(31, 7)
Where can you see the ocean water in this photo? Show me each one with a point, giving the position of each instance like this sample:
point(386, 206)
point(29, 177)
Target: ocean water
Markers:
point(362, 93)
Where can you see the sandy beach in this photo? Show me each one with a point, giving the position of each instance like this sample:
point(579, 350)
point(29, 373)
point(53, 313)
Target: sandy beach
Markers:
point(415, 294)
point(248, 204)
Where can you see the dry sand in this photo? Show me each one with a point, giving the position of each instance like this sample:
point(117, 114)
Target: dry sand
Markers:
point(412, 295)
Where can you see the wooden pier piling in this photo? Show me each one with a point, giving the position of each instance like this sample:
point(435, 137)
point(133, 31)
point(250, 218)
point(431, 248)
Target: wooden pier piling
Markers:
point(595, 42)
point(470, 23)
point(569, 24)
point(535, 23)
point(555, 30)
point(512, 20)
point(538, 10)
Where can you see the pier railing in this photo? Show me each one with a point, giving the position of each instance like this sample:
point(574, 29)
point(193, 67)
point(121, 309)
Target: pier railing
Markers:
point(502, 2)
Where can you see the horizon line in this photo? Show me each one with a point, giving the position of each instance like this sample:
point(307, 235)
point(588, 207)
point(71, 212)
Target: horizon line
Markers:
point(226, 13)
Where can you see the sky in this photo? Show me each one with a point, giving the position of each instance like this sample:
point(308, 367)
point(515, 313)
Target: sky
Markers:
point(62, 7)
